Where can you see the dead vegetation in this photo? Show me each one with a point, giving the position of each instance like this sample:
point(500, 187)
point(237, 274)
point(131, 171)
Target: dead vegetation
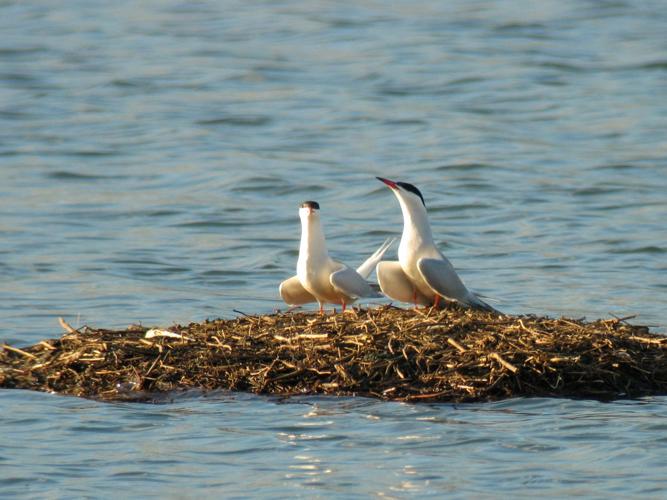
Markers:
point(389, 353)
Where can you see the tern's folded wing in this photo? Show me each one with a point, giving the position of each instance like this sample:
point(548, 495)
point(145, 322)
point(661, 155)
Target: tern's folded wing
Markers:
point(440, 275)
point(369, 264)
point(293, 292)
point(442, 278)
point(395, 284)
point(348, 282)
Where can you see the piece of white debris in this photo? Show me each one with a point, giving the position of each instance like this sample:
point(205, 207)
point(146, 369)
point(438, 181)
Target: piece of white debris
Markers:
point(156, 332)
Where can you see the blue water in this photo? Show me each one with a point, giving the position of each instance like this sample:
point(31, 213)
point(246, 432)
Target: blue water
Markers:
point(152, 158)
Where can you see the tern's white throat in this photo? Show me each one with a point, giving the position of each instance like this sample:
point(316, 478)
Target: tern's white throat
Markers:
point(416, 227)
point(313, 245)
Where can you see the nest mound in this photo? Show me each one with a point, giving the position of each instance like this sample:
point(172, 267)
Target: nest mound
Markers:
point(389, 353)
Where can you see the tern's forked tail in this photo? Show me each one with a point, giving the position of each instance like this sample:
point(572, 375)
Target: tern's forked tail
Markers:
point(369, 264)
point(477, 303)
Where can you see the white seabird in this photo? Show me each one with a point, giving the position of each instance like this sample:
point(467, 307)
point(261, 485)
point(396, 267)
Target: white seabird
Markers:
point(422, 275)
point(321, 279)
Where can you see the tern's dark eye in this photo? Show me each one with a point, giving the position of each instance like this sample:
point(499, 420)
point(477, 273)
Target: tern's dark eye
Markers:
point(310, 204)
point(412, 189)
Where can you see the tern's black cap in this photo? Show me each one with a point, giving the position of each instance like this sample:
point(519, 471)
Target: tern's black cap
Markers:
point(412, 189)
point(310, 204)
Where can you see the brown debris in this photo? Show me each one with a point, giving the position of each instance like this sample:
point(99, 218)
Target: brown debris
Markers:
point(389, 353)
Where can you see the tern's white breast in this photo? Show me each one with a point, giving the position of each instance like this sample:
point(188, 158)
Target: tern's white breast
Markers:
point(409, 254)
point(315, 276)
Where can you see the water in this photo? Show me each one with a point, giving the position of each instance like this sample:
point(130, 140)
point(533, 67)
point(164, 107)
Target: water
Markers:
point(152, 158)
point(240, 445)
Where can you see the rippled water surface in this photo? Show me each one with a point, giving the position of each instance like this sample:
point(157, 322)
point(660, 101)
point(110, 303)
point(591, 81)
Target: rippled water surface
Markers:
point(240, 445)
point(153, 155)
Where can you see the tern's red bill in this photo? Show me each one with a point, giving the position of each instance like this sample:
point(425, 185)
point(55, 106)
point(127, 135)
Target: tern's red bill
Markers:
point(389, 183)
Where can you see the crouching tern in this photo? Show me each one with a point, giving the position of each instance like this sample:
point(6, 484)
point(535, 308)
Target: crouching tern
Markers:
point(422, 274)
point(321, 279)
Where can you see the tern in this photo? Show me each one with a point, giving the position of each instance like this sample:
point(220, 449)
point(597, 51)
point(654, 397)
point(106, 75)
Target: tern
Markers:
point(321, 279)
point(422, 274)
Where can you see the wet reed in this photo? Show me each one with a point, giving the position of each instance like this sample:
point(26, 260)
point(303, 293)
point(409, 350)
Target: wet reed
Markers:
point(389, 353)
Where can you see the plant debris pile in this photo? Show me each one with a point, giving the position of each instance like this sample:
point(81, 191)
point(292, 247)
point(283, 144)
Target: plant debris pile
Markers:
point(398, 354)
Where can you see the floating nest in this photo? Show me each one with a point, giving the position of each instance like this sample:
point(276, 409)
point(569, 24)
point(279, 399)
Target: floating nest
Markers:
point(388, 353)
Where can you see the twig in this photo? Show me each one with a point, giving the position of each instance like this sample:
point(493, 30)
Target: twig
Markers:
point(66, 326)
point(153, 365)
point(534, 332)
point(648, 340)
point(425, 396)
point(19, 351)
point(454, 343)
point(47, 345)
point(623, 319)
point(506, 364)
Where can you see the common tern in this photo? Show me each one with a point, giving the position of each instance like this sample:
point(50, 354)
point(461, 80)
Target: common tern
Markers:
point(321, 279)
point(422, 274)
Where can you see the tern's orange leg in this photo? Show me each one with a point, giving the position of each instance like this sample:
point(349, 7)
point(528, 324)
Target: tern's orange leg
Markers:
point(436, 301)
point(343, 304)
point(321, 309)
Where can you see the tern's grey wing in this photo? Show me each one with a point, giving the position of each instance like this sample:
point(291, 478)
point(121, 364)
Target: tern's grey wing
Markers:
point(440, 275)
point(442, 278)
point(293, 292)
point(395, 284)
point(369, 264)
point(349, 282)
